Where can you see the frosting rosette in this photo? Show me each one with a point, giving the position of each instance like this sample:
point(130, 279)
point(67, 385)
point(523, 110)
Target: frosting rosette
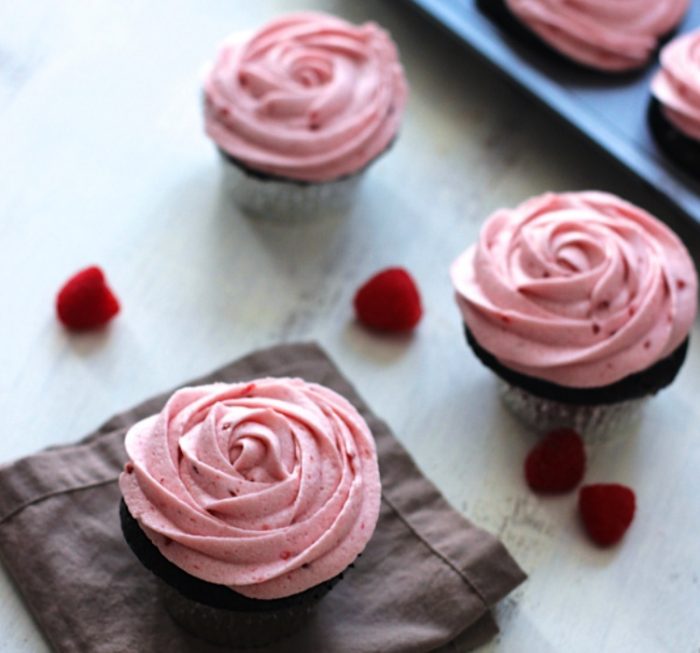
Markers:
point(579, 289)
point(677, 85)
point(613, 35)
point(308, 97)
point(269, 487)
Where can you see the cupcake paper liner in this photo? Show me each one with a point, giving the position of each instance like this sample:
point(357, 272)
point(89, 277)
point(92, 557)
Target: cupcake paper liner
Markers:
point(599, 414)
point(597, 424)
point(287, 200)
point(234, 628)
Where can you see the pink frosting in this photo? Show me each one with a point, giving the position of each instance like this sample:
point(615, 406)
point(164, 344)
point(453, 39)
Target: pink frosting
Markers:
point(612, 35)
point(268, 487)
point(677, 84)
point(581, 289)
point(309, 96)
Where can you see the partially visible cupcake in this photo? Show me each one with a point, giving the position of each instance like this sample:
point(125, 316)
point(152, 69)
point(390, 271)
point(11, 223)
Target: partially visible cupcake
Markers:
point(674, 111)
point(300, 108)
point(613, 37)
point(581, 303)
point(248, 501)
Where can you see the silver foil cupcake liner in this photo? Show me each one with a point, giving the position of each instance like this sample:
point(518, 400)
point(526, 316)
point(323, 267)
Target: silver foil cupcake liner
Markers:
point(597, 424)
point(288, 201)
point(234, 629)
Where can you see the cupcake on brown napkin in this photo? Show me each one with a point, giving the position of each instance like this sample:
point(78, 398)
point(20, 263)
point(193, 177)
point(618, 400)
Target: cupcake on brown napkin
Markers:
point(581, 303)
point(248, 500)
point(427, 580)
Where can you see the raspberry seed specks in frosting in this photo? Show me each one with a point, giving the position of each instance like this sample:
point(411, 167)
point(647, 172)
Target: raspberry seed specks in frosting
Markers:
point(579, 289)
point(610, 35)
point(269, 487)
point(308, 97)
point(677, 85)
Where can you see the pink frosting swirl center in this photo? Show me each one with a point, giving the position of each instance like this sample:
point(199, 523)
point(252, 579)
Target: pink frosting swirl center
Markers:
point(677, 85)
point(581, 289)
point(613, 35)
point(268, 487)
point(309, 97)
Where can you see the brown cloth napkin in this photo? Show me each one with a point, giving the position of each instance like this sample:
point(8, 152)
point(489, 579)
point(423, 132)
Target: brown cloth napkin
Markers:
point(425, 582)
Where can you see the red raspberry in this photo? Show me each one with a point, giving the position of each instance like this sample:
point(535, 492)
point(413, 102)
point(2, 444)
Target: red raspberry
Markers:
point(557, 463)
point(389, 301)
point(607, 510)
point(85, 301)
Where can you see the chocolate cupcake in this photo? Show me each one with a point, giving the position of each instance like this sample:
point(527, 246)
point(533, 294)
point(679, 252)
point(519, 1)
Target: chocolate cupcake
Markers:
point(248, 501)
point(674, 110)
point(581, 303)
point(300, 108)
point(612, 37)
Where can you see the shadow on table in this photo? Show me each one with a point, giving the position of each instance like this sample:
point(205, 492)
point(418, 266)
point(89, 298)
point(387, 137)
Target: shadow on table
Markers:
point(381, 348)
point(84, 343)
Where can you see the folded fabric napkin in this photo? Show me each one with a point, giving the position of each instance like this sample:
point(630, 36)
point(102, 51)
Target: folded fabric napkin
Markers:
point(426, 581)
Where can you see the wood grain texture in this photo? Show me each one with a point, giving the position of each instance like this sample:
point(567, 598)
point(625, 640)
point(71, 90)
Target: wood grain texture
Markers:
point(103, 160)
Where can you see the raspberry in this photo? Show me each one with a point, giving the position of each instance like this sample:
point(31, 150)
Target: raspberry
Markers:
point(85, 301)
point(607, 510)
point(389, 301)
point(557, 463)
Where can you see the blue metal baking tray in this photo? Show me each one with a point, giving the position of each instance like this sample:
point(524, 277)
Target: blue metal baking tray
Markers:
point(609, 110)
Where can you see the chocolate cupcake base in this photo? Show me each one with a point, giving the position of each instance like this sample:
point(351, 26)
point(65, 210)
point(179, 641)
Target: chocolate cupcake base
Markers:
point(283, 199)
point(499, 13)
point(634, 386)
point(598, 414)
point(682, 149)
point(238, 629)
point(215, 612)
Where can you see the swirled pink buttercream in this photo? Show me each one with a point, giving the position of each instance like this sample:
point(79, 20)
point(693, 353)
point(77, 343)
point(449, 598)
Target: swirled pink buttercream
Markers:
point(612, 35)
point(308, 97)
point(268, 487)
point(677, 85)
point(581, 289)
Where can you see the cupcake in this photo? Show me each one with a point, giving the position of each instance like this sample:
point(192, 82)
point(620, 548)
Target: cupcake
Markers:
point(581, 303)
point(674, 111)
point(300, 108)
point(248, 501)
point(613, 37)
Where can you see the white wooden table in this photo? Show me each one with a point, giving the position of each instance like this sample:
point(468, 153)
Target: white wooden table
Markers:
point(102, 159)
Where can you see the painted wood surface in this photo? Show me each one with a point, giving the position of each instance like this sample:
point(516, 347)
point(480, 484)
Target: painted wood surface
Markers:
point(102, 159)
